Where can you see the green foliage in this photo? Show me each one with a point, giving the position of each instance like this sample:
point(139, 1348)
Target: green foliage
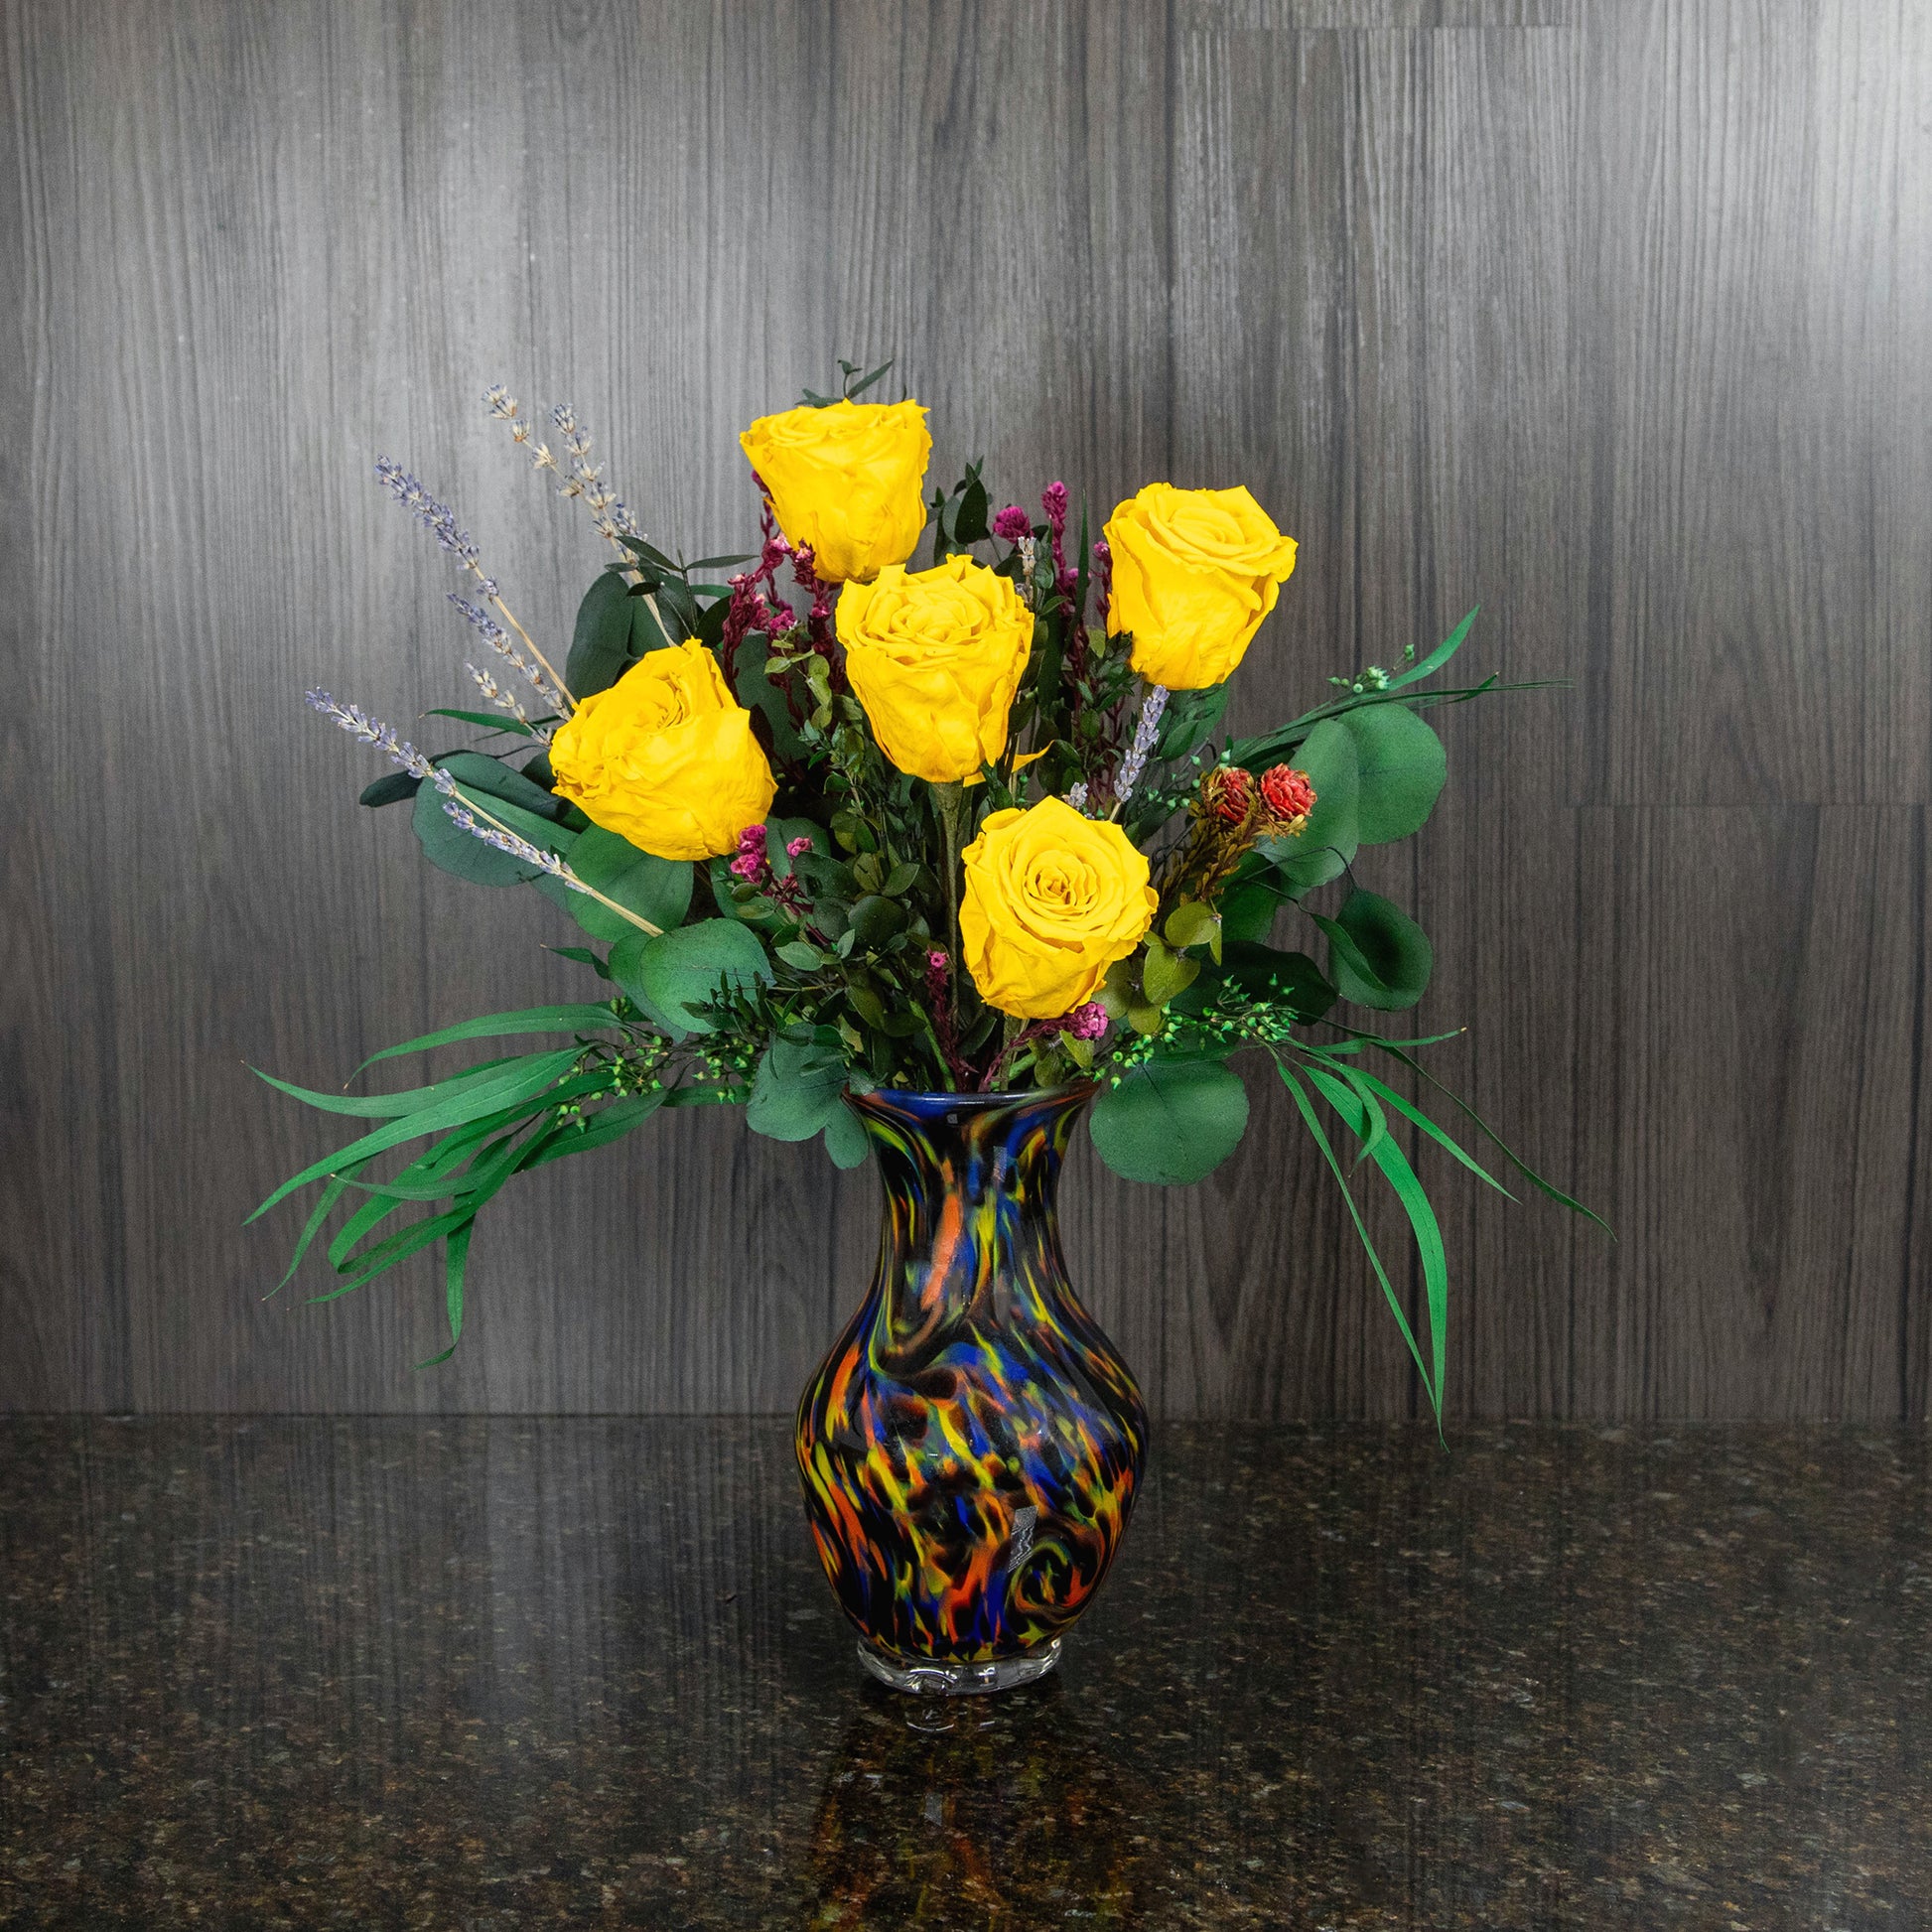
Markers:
point(525, 808)
point(1169, 1121)
point(658, 890)
point(390, 791)
point(845, 1138)
point(1188, 720)
point(839, 969)
point(849, 391)
point(679, 974)
point(1401, 768)
point(1289, 981)
point(600, 646)
point(1379, 956)
point(800, 1085)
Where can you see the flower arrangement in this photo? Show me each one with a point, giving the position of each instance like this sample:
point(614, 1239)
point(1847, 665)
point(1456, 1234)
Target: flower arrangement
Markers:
point(966, 824)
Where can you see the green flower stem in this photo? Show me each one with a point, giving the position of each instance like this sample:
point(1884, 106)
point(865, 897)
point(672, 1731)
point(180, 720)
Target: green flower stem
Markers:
point(949, 800)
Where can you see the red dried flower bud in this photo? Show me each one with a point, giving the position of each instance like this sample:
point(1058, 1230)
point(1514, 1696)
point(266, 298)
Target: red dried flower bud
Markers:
point(1228, 792)
point(1286, 792)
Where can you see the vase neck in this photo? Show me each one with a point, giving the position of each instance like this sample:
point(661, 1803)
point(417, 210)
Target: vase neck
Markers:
point(971, 1227)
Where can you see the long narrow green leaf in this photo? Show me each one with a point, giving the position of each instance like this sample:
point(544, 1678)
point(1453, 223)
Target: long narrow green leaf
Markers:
point(331, 1194)
point(1388, 1094)
point(1282, 740)
point(485, 1172)
point(455, 1261)
point(611, 1124)
point(1318, 1135)
point(427, 1178)
point(1415, 1200)
point(524, 1080)
point(1437, 657)
point(495, 1026)
point(1378, 1125)
point(1516, 1161)
point(442, 1182)
point(399, 1247)
point(389, 1106)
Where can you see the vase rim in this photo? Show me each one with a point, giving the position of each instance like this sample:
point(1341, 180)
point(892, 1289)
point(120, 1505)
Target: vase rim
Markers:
point(1000, 1097)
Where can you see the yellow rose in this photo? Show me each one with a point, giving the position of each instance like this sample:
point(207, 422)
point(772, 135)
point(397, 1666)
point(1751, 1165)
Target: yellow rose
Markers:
point(1194, 573)
point(1052, 900)
point(666, 758)
point(936, 656)
point(846, 480)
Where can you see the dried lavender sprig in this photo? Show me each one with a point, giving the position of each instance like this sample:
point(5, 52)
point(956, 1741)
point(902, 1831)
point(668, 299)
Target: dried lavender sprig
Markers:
point(372, 730)
point(583, 479)
point(507, 701)
point(577, 475)
point(506, 840)
point(440, 521)
point(467, 814)
point(1134, 763)
point(437, 518)
point(497, 638)
point(1076, 795)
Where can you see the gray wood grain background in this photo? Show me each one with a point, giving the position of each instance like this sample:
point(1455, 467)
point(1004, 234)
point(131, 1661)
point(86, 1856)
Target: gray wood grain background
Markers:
point(1616, 319)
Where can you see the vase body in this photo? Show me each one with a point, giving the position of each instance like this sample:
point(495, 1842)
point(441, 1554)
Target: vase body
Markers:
point(971, 1447)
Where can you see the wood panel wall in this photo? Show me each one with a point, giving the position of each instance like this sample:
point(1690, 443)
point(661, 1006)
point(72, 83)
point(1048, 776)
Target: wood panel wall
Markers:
point(1616, 319)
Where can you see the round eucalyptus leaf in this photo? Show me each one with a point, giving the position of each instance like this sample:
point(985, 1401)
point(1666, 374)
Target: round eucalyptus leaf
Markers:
point(677, 972)
point(1401, 768)
point(1392, 947)
point(1169, 1122)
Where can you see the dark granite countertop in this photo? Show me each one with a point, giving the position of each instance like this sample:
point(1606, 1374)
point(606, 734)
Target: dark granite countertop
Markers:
point(494, 1674)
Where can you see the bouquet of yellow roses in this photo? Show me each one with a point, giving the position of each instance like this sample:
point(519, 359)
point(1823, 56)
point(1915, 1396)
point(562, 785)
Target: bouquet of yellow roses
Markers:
point(834, 818)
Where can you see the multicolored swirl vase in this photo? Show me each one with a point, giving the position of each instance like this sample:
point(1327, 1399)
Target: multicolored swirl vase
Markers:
point(971, 1447)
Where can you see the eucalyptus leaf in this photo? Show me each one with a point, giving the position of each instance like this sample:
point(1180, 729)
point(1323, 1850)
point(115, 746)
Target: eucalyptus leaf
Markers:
point(1163, 972)
point(1401, 768)
point(1169, 1122)
point(658, 890)
point(845, 1138)
point(1291, 979)
point(600, 646)
point(1380, 957)
point(757, 692)
point(798, 1086)
point(1248, 911)
point(448, 846)
point(681, 971)
point(389, 791)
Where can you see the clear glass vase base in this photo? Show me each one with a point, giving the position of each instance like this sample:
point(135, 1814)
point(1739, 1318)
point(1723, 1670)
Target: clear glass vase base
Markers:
point(937, 1679)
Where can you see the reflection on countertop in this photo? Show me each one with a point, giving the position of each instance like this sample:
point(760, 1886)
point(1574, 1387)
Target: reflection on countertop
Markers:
point(509, 1673)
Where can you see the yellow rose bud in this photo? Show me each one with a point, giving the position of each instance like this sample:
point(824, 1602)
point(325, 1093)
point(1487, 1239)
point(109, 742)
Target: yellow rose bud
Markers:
point(848, 479)
point(935, 657)
point(1052, 900)
point(666, 758)
point(1194, 573)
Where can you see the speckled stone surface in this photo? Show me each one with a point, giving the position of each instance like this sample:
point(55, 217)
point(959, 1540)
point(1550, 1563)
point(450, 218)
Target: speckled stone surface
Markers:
point(494, 1674)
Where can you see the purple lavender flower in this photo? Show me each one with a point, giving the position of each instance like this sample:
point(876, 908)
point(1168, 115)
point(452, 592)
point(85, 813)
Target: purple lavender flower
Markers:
point(437, 518)
point(1012, 525)
point(1144, 733)
point(371, 731)
point(517, 848)
point(493, 632)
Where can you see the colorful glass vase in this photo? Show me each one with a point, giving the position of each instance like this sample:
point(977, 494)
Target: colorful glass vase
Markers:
point(971, 1447)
